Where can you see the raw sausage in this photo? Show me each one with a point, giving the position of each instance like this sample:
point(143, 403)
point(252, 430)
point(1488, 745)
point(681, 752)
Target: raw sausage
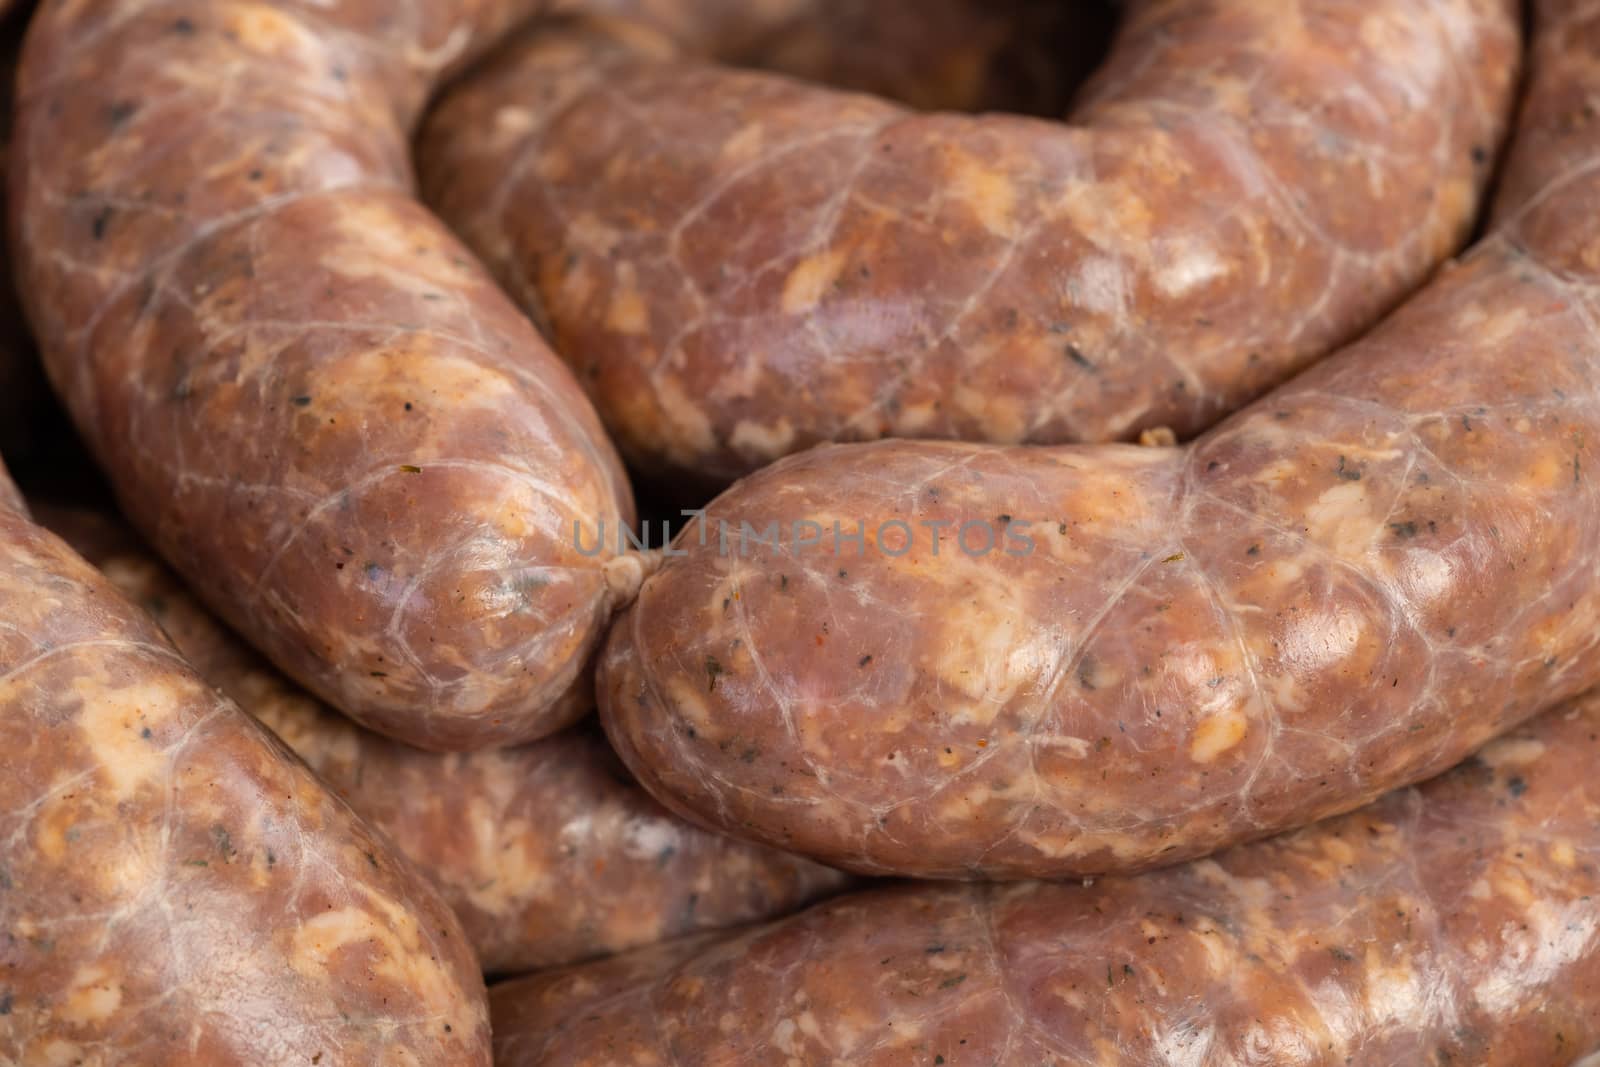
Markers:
point(739, 266)
point(547, 852)
point(1108, 658)
point(309, 397)
point(1451, 924)
point(175, 887)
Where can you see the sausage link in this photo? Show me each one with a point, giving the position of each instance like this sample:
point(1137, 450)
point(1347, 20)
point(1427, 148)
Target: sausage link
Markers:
point(740, 266)
point(1123, 657)
point(548, 852)
point(307, 394)
point(1450, 924)
point(178, 889)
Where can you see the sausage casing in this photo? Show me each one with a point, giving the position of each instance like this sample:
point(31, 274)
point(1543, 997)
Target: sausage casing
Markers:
point(1449, 924)
point(739, 266)
point(178, 889)
point(547, 852)
point(306, 393)
point(984, 661)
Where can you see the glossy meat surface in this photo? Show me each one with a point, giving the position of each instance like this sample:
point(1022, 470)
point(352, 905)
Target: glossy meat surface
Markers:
point(177, 888)
point(547, 852)
point(1121, 657)
point(1449, 924)
point(308, 395)
point(739, 266)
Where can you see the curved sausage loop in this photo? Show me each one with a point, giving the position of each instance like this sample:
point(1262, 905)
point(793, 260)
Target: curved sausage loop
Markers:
point(308, 395)
point(964, 660)
point(178, 888)
point(547, 852)
point(739, 266)
point(1448, 924)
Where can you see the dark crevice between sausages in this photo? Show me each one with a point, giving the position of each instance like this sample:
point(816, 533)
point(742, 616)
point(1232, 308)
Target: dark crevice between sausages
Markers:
point(1057, 48)
point(1497, 155)
point(1048, 51)
point(30, 422)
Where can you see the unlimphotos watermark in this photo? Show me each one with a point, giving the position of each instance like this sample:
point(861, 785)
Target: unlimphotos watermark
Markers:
point(975, 538)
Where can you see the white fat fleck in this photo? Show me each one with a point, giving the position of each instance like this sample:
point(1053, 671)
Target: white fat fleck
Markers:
point(745, 145)
point(1493, 331)
point(1533, 954)
point(810, 281)
point(1218, 734)
point(57, 1053)
point(988, 652)
point(1394, 992)
point(1342, 520)
point(1515, 752)
point(93, 997)
point(1219, 961)
point(262, 28)
point(577, 830)
point(853, 1029)
point(1419, 64)
point(690, 427)
point(508, 871)
point(463, 381)
point(1188, 1044)
point(1193, 265)
point(1280, 1041)
point(1076, 747)
point(648, 838)
point(1285, 691)
point(783, 1037)
point(1193, 666)
point(763, 439)
point(512, 123)
point(321, 937)
point(590, 235)
point(1428, 576)
point(988, 192)
point(628, 312)
point(111, 725)
point(1100, 285)
point(1321, 639)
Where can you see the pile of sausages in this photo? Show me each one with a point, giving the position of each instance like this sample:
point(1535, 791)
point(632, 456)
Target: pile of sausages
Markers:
point(1162, 543)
